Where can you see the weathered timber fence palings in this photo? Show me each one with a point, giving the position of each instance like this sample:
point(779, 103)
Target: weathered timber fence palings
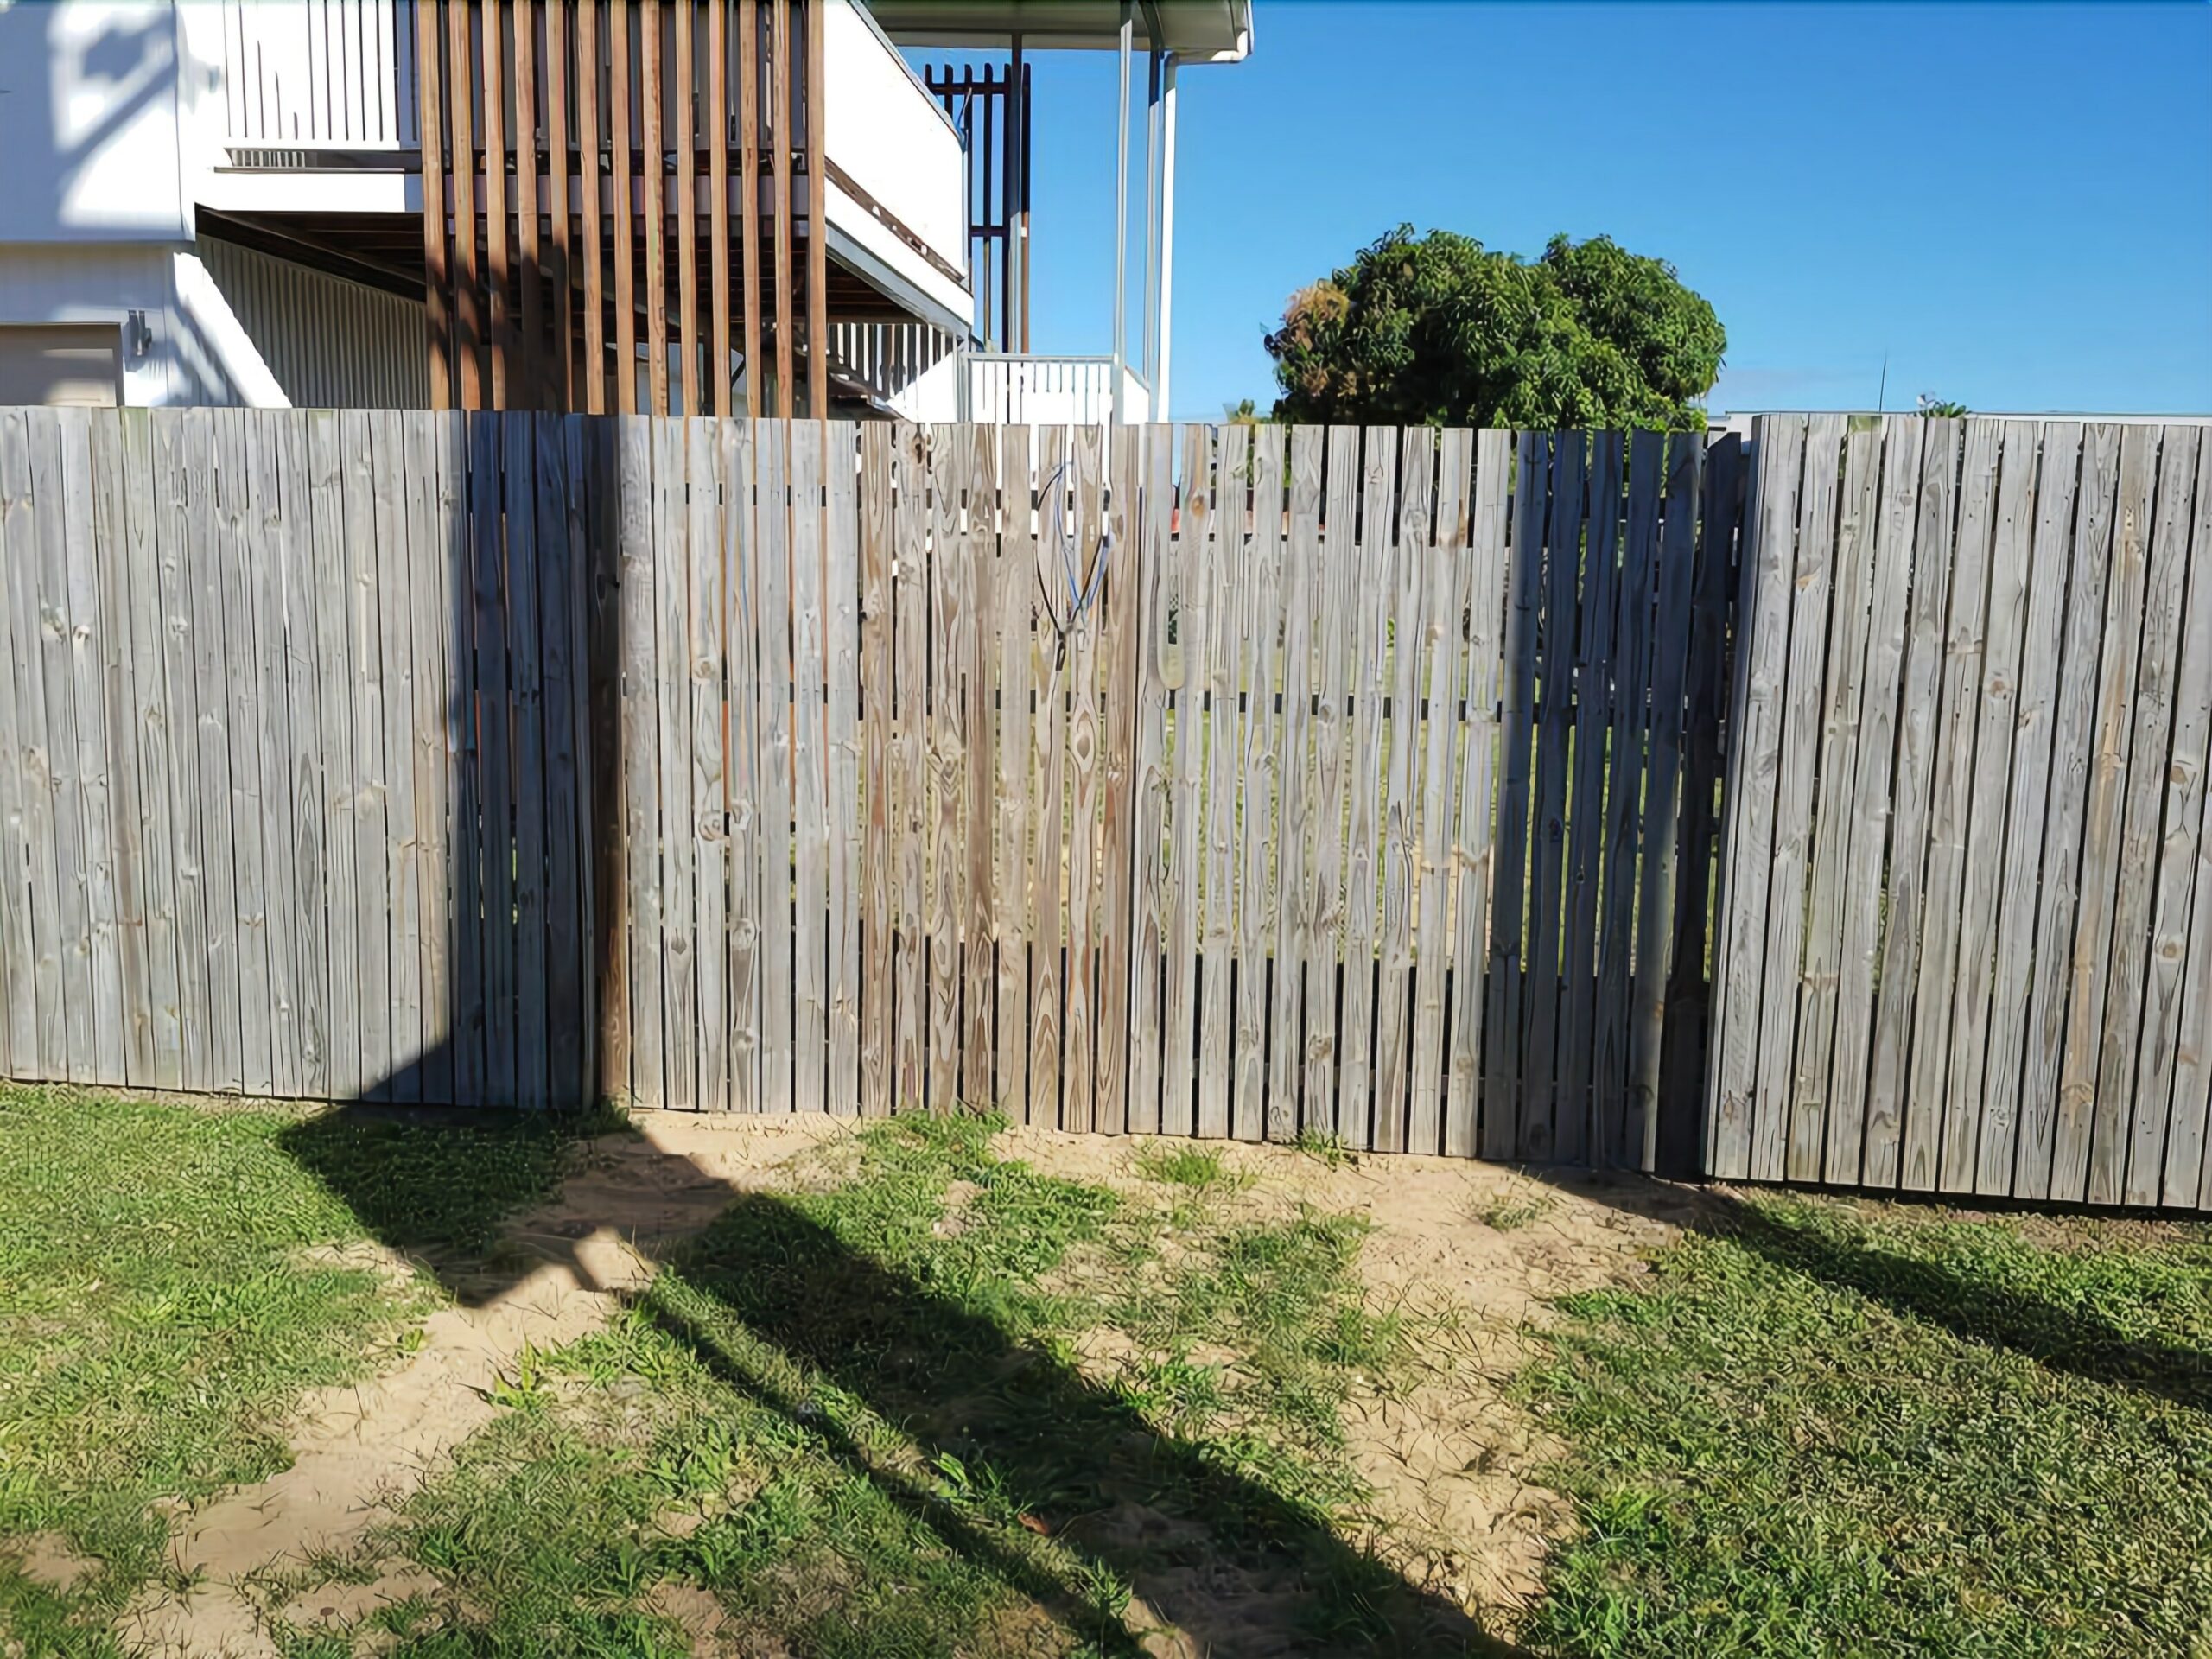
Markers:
point(291, 740)
point(1244, 782)
point(1966, 942)
point(1401, 787)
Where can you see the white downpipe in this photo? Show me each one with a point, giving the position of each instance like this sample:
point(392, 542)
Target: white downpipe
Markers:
point(1161, 406)
point(1122, 210)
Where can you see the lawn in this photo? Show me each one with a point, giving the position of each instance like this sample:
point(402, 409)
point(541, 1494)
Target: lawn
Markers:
point(1822, 1426)
point(936, 1389)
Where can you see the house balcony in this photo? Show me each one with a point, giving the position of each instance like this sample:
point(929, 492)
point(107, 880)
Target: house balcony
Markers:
point(316, 131)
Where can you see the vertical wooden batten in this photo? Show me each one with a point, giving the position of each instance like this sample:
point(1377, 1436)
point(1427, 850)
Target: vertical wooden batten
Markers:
point(625, 310)
point(687, 212)
point(748, 176)
point(467, 329)
point(718, 198)
point(563, 386)
point(817, 245)
point(529, 105)
point(595, 364)
point(530, 354)
point(495, 195)
point(655, 161)
point(779, 136)
point(436, 278)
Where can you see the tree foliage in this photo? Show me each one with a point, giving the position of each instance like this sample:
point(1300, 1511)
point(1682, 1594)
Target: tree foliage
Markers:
point(1438, 328)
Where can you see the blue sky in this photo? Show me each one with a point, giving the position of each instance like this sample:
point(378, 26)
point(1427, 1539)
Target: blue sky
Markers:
point(2013, 202)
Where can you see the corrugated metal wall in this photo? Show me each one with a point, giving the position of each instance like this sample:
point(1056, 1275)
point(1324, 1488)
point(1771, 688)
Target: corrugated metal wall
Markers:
point(330, 343)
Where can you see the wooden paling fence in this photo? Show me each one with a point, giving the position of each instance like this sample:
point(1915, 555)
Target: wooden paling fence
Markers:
point(1405, 787)
point(291, 753)
point(1148, 779)
point(1966, 942)
point(1154, 779)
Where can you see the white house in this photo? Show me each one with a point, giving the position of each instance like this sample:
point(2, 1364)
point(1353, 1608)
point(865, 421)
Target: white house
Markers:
point(224, 201)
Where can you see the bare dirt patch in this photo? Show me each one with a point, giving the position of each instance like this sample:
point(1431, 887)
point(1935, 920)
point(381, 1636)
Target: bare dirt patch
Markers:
point(357, 1452)
point(1454, 1509)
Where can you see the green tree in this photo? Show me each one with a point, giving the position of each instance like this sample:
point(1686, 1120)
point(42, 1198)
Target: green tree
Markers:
point(1440, 329)
point(1939, 408)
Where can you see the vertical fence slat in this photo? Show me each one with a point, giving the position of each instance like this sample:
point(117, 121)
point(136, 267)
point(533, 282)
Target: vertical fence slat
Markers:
point(1594, 1036)
point(1153, 577)
point(1993, 762)
point(395, 645)
point(640, 744)
point(1656, 540)
point(1810, 593)
point(1762, 664)
point(1015, 600)
point(947, 774)
point(1334, 615)
point(1217, 712)
point(1502, 1080)
point(1375, 587)
point(1259, 584)
point(1882, 506)
point(243, 553)
point(2148, 764)
point(1912, 805)
point(841, 613)
point(876, 704)
point(1546, 1132)
point(2173, 1023)
point(1121, 578)
point(1951, 808)
point(35, 980)
point(2104, 815)
point(707, 824)
point(772, 616)
point(1186, 601)
point(1296, 898)
point(977, 681)
point(1473, 848)
point(1645, 873)
point(432, 499)
point(674, 524)
point(1401, 849)
point(742, 770)
point(149, 721)
point(910, 599)
point(1835, 747)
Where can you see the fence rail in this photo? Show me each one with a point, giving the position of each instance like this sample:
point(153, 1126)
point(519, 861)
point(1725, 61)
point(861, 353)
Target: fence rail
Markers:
point(1233, 781)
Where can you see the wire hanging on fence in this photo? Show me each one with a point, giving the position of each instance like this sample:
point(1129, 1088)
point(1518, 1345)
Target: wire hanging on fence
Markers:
point(1083, 590)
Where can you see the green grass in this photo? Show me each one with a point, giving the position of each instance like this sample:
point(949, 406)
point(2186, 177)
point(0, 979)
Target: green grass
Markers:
point(1824, 1428)
point(171, 1280)
point(856, 1419)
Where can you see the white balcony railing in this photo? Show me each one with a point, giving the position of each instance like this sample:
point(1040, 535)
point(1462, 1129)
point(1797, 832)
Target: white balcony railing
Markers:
point(1008, 388)
point(307, 72)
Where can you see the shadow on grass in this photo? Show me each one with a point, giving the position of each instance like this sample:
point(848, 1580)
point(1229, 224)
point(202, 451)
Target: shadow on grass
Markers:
point(2023, 1302)
point(775, 1304)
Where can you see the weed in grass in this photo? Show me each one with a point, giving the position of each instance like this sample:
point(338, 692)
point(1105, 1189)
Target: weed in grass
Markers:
point(1820, 1428)
point(1506, 1214)
point(1324, 1146)
point(1179, 1164)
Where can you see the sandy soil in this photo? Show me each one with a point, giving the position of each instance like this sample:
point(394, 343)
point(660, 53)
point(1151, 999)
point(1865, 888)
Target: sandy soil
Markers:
point(1453, 1510)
